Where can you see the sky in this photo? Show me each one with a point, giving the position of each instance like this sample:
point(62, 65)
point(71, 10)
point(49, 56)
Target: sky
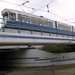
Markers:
point(59, 10)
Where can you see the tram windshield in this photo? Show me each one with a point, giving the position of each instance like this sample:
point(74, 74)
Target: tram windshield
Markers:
point(9, 15)
point(12, 16)
point(5, 15)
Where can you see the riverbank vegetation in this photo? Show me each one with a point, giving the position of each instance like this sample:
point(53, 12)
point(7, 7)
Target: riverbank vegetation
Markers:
point(59, 48)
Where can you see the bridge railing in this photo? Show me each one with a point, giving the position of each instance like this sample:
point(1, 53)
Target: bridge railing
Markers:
point(19, 24)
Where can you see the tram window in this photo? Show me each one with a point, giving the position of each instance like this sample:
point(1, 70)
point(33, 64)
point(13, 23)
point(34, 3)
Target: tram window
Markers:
point(60, 26)
point(40, 22)
point(33, 20)
point(50, 24)
point(45, 23)
point(26, 18)
point(68, 28)
point(12, 16)
point(64, 27)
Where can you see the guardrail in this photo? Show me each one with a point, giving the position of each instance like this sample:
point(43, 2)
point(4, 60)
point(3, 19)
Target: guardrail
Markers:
point(19, 24)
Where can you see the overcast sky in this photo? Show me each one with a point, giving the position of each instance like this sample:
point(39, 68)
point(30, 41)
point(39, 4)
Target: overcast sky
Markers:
point(59, 10)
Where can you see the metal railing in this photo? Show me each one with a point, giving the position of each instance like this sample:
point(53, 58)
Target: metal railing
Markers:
point(19, 24)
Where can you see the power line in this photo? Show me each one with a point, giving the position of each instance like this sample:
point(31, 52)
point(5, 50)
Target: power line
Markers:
point(22, 9)
point(27, 6)
point(23, 4)
point(44, 6)
point(48, 9)
point(32, 8)
point(64, 10)
point(51, 12)
point(37, 9)
point(9, 2)
point(67, 12)
point(47, 5)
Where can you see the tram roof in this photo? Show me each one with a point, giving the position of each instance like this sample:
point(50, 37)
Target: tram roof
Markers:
point(24, 13)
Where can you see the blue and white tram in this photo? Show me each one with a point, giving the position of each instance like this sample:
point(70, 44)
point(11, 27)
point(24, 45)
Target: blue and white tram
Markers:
point(23, 28)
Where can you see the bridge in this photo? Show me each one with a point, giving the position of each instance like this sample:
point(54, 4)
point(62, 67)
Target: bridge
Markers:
point(17, 34)
point(21, 33)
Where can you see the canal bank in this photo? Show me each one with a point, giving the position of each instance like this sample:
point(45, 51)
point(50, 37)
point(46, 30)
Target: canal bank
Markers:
point(35, 58)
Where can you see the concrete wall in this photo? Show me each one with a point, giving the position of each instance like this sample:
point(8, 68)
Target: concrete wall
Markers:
point(35, 57)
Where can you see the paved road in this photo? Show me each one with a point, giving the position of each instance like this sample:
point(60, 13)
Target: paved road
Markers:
point(50, 70)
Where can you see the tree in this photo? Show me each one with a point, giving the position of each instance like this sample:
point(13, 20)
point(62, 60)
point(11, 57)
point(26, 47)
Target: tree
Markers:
point(62, 48)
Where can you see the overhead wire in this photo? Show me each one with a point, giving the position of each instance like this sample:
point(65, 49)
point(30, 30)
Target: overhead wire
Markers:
point(24, 4)
point(67, 12)
point(9, 2)
point(48, 11)
point(51, 12)
point(44, 5)
point(47, 5)
point(22, 9)
point(37, 9)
